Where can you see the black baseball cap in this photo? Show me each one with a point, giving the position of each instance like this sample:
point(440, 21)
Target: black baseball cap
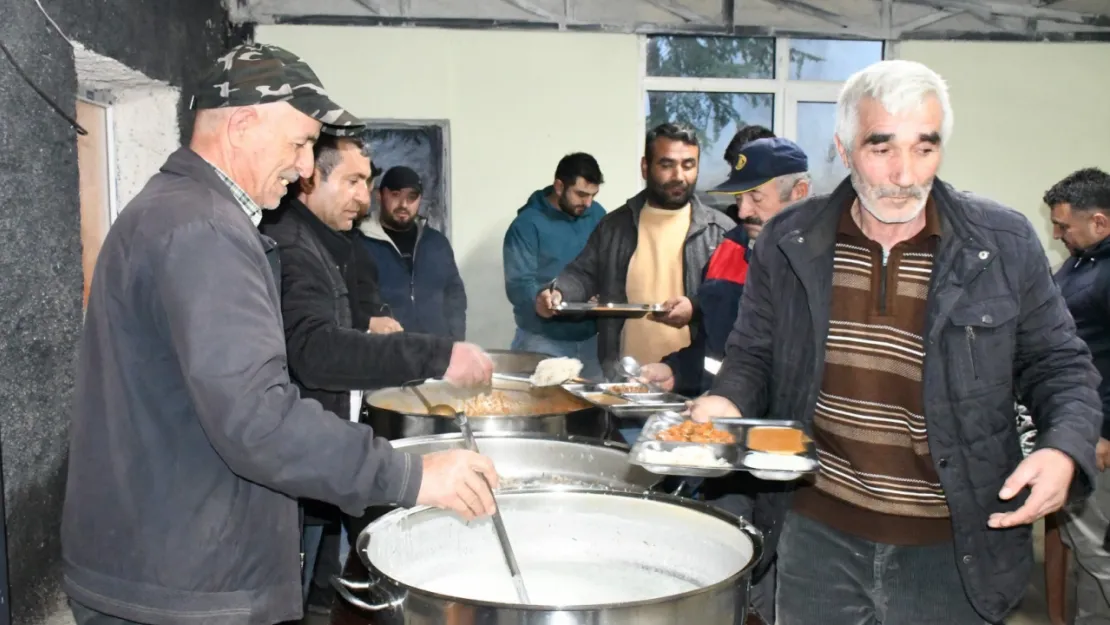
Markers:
point(401, 177)
point(761, 161)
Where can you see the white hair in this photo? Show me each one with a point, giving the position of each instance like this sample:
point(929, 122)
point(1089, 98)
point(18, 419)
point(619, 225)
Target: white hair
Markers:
point(787, 183)
point(900, 86)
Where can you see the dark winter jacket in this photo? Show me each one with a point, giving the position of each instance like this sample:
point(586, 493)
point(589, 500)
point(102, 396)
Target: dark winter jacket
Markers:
point(328, 356)
point(189, 444)
point(1085, 283)
point(990, 276)
point(430, 298)
point(719, 298)
point(601, 269)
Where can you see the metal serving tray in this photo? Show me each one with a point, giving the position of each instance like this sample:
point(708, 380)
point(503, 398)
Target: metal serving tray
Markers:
point(615, 309)
point(626, 404)
point(730, 457)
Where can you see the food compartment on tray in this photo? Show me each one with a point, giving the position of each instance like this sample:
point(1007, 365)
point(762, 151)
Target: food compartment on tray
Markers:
point(679, 457)
point(773, 450)
point(621, 388)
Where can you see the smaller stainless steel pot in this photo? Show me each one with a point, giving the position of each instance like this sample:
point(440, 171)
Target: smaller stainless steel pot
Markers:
point(397, 413)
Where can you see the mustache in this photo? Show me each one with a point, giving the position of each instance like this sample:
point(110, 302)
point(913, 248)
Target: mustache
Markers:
point(751, 221)
point(914, 192)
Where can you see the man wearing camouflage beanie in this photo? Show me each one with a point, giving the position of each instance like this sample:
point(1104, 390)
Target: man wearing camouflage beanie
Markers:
point(189, 444)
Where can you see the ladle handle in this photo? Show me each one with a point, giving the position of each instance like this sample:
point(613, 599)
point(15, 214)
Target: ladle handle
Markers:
point(498, 522)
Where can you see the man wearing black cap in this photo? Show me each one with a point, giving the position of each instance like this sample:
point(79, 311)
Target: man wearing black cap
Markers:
point(189, 443)
point(431, 299)
point(767, 176)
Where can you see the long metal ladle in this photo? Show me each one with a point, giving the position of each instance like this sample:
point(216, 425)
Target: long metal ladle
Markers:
point(498, 523)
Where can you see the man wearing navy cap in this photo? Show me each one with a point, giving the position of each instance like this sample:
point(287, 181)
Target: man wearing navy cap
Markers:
point(767, 176)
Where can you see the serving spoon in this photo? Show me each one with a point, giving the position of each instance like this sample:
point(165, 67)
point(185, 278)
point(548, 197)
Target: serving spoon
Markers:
point(443, 410)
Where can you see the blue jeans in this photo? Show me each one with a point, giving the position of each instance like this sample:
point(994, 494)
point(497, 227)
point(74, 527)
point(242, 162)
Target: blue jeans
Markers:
point(832, 578)
point(311, 537)
point(585, 351)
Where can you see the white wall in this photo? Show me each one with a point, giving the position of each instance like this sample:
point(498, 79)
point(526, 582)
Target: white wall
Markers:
point(144, 120)
point(516, 103)
point(1027, 114)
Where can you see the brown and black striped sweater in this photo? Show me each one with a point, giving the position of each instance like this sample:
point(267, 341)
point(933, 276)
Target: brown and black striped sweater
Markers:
point(877, 479)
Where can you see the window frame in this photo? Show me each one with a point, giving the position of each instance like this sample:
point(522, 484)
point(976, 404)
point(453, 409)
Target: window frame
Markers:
point(444, 126)
point(787, 93)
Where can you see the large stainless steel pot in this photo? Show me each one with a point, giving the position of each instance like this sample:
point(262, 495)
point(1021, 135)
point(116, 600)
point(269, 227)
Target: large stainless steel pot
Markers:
point(398, 413)
point(526, 460)
point(587, 557)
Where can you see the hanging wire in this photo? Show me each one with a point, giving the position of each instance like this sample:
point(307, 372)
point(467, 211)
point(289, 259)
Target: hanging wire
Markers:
point(42, 94)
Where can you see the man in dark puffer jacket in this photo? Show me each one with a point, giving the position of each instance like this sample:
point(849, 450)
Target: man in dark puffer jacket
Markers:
point(1080, 207)
point(337, 341)
point(894, 319)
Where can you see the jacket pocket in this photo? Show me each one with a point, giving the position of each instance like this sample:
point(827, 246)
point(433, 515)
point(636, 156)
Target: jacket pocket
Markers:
point(981, 345)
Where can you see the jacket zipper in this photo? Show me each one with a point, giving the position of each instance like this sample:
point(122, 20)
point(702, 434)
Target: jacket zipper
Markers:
point(412, 274)
point(970, 333)
point(882, 283)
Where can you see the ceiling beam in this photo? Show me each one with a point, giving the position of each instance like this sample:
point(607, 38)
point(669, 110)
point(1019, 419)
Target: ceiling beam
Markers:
point(373, 6)
point(886, 17)
point(1015, 10)
point(813, 11)
point(528, 7)
point(923, 21)
point(676, 8)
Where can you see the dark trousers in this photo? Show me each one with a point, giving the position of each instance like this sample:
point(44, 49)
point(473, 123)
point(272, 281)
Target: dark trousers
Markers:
point(833, 578)
point(87, 616)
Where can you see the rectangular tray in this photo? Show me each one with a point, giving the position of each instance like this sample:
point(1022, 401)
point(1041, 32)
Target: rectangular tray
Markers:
point(653, 402)
point(615, 309)
point(626, 404)
point(735, 457)
point(618, 387)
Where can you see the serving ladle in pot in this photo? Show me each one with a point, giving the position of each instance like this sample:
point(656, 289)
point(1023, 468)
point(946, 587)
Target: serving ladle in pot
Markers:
point(498, 522)
point(439, 410)
point(444, 410)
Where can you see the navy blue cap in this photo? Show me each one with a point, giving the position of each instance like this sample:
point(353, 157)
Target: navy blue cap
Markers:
point(761, 161)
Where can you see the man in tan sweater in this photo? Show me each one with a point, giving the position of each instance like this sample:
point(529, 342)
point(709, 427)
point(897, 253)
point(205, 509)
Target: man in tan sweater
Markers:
point(651, 250)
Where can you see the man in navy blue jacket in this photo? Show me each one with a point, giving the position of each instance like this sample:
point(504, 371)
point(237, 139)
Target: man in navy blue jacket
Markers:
point(768, 175)
point(1080, 207)
point(549, 231)
point(417, 274)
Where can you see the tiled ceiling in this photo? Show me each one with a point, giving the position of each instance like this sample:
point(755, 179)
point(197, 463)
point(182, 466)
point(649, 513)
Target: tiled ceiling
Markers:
point(871, 19)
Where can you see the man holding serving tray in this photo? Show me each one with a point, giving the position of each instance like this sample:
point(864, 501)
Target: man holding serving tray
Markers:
point(650, 251)
point(897, 318)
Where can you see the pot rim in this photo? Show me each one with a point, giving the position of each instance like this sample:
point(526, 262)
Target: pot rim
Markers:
point(592, 441)
point(377, 576)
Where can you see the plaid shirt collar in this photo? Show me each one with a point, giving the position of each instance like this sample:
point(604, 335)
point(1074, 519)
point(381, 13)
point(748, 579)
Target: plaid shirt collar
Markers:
point(249, 206)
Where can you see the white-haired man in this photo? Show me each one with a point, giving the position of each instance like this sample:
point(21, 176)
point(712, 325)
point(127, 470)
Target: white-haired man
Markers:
point(898, 318)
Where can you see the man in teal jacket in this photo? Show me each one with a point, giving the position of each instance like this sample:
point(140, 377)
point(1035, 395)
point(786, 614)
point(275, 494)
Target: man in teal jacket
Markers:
point(549, 232)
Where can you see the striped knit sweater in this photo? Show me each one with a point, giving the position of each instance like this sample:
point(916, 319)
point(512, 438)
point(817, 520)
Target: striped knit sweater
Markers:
point(877, 479)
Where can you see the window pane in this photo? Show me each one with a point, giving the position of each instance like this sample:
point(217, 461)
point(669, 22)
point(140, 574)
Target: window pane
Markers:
point(816, 127)
point(711, 57)
point(716, 117)
point(831, 59)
